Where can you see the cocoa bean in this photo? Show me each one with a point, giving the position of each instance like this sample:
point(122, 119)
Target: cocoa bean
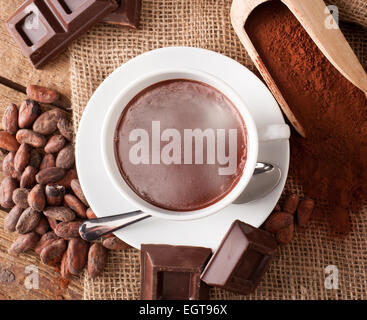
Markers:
point(52, 222)
point(291, 203)
point(8, 166)
point(76, 205)
point(53, 253)
point(285, 235)
point(24, 243)
point(30, 137)
point(22, 157)
point(68, 230)
point(10, 119)
point(28, 178)
point(42, 94)
point(20, 196)
point(8, 141)
point(65, 127)
point(97, 258)
point(28, 112)
point(28, 221)
point(304, 211)
point(47, 121)
point(114, 243)
point(35, 159)
point(50, 175)
point(77, 189)
point(12, 218)
point(277, 221)
point(55, 144)
point(277, 208)
point(66, 157)
point(90, 214)
point(7, 187)
point(60, 213)
point(48, 161)
point(36, 198)
point(42, 227)
point(64, 267)
point(55, 194)
point(45, 241)
point(66, 181)
point(77, 255)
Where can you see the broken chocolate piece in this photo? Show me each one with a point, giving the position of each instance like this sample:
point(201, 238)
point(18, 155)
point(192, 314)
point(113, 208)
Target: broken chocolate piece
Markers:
point(241, 260)
point(173, 272)
point(43, 28)
point(127, 14)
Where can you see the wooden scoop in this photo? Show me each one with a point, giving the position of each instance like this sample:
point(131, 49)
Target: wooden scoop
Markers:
point(312, 16)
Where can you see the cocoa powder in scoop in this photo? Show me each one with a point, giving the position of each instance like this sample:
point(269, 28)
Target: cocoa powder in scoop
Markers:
point(331, 162)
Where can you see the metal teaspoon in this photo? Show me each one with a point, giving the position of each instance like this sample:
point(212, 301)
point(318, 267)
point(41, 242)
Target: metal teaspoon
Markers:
point(266, 177)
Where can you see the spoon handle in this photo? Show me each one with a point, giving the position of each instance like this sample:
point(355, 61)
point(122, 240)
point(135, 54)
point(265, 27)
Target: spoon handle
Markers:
point(93, 229)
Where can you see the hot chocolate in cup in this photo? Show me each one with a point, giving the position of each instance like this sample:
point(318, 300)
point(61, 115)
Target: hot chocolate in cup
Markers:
point(180, 144)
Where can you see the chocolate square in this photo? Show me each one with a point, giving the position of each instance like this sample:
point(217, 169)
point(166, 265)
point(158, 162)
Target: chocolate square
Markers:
point(241, 260)
point(43, 28)
point(127, 14)
point(32, 26)
point(173, 272)
point(72, 12)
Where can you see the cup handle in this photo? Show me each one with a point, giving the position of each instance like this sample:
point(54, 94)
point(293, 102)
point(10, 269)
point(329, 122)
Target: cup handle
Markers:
point(274, 132)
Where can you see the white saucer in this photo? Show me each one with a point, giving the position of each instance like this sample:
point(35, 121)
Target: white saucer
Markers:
point(105, 200)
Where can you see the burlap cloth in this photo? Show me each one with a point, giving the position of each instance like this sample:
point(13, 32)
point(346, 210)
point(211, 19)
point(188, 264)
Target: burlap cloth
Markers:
point(298, 271)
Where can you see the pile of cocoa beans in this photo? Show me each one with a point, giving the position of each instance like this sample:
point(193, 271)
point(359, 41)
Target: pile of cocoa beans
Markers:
point(42, 189)
point(282, 221)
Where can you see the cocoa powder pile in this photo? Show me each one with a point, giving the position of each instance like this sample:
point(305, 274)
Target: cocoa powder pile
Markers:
point(331, 162)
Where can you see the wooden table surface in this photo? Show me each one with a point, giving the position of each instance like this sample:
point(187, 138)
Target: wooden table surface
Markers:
point(17, 72)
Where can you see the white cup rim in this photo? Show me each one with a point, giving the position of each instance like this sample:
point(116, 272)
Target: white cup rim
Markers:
point(127, 94)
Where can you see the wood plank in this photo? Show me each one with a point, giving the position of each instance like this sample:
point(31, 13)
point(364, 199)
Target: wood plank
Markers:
point(49, 285)
point(16, 67)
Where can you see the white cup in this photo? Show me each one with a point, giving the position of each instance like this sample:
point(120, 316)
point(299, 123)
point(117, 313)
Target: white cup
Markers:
point(254, 136)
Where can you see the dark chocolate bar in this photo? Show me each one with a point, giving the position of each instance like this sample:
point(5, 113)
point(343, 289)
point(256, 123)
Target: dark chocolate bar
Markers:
point(241, 260)
point(173, 272)
point(127, 14)
point(43, 28)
